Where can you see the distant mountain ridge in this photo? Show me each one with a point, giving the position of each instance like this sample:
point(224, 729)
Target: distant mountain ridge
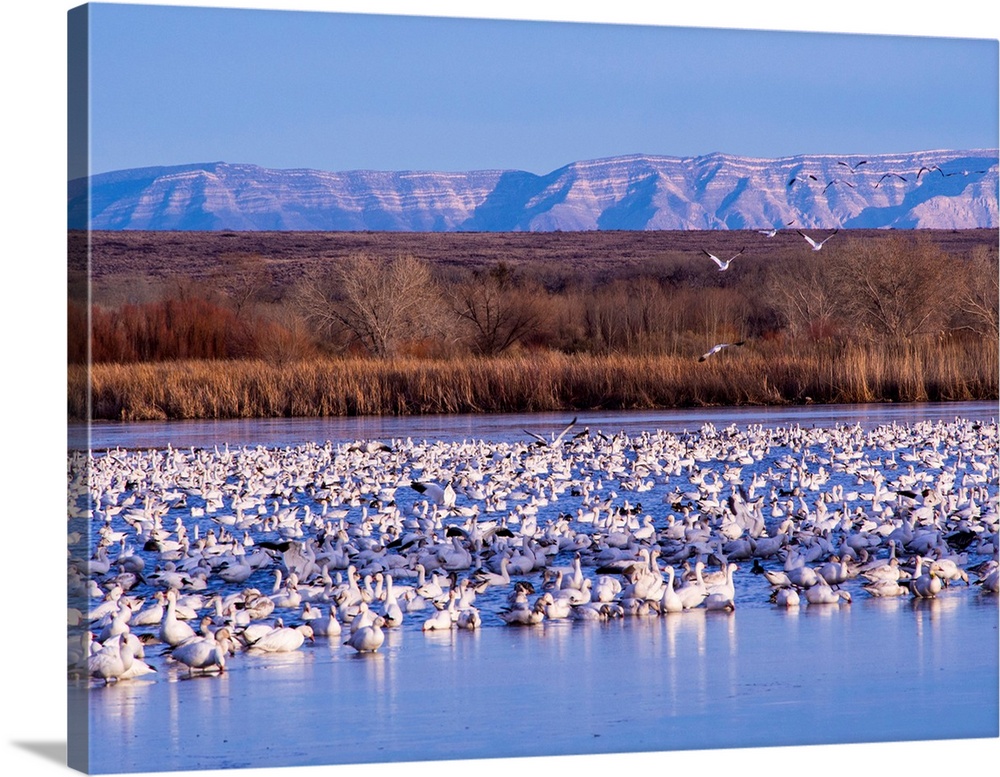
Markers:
point(942, 189)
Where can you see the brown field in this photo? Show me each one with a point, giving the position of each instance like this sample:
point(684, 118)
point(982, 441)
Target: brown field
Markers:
point(256, 324)
point(123, 256)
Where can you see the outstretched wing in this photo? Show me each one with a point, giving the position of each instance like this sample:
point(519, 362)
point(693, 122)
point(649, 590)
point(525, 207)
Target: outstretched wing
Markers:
point(713, 257)
point(563, 432)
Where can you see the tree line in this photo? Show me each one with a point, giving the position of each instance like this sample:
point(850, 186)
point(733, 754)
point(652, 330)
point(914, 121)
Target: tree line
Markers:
point(896, 288)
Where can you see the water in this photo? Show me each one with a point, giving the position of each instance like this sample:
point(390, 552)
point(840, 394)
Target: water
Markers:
point(757, 676)
point(500, 427)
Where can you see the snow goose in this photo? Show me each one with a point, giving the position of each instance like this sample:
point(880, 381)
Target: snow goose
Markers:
point(835, 571)
point(718, 347)
point(694, 592)
point(441, 620)
point(283, 639)
point(670, 602)
point(206, 652)
point(774, 230)
point(885, 588)
point(838, 180)
point(822, 593)
point(853, 166)
point(118, 625)
point(523, 615)
point(723, 265)
point(948, 570)
point(990, 580)
point(556, 439)
point(816, 246)
point(925, 583)
point(469, 619)
point(326, 625)
point(368, 639)
point(442, 496)
point(113, 660)
point(722, 596)
point(152, 615)
point(172, 630)
point(392, 613)
point(889, 175)
point(483, 578)
point(556, 609)
point(785, 597)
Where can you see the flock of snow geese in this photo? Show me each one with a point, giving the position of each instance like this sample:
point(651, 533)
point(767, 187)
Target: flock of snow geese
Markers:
point(815, 244)
point(193, 557)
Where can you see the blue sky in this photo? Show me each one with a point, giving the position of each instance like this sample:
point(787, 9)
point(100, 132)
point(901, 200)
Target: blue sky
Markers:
point(336, 91)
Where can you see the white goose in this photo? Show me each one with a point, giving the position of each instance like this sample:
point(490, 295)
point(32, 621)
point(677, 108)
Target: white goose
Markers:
point(816, 246)
point(326, 625)
point(722, 596)
point(392, 613)
point(206, 652)
point(723, 265)
point(925, 584)
point(694, 592)
point(283, 639)
point(718, 347)
point(172, 630)
point(152, 615)
point(113, 660)
point(670, 602)
point(368, 639)
point(822, 593)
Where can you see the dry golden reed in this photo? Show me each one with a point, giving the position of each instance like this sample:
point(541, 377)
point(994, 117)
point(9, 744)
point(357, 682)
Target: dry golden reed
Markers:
point(760, 373)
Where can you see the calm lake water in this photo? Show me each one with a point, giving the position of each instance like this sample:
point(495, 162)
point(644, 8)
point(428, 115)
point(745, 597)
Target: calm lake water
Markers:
point(872, 671)
point(501, 427)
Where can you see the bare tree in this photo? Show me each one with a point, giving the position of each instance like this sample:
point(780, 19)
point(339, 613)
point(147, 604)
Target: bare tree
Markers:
point(497, 310)
point(895, 288)
point(980, 299)
point(378, 303)
point(804, 295)
point(245, 278)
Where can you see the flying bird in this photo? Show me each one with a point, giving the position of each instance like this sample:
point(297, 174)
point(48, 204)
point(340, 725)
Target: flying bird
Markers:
point(930, 169)
point(723, 265)
point(816, 246)
point(716, 348)
point(555, 440)
point(774, 230)
point(837, 180)
point(888, 175)
point(804, 180)
point(855, 166)
point(442, 496)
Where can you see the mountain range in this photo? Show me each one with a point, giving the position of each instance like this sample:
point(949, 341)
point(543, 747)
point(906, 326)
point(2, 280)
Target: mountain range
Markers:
point(941, 189)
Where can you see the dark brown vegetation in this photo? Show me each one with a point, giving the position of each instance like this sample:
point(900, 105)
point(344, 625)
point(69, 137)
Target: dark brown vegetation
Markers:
point(263, 324)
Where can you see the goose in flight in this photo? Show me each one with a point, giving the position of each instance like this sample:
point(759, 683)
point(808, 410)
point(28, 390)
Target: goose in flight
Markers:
point(837, 180)
point(774, 230)
point(441, 496)
point(889, 175)
point(808, 177)
point(723, 265)
point(555, 440)
point(855, 166)
point(716, 348)
point(930, 169)
point(816, 246)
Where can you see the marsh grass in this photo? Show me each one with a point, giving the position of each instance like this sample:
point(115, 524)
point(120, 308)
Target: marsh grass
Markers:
point(762, 373)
